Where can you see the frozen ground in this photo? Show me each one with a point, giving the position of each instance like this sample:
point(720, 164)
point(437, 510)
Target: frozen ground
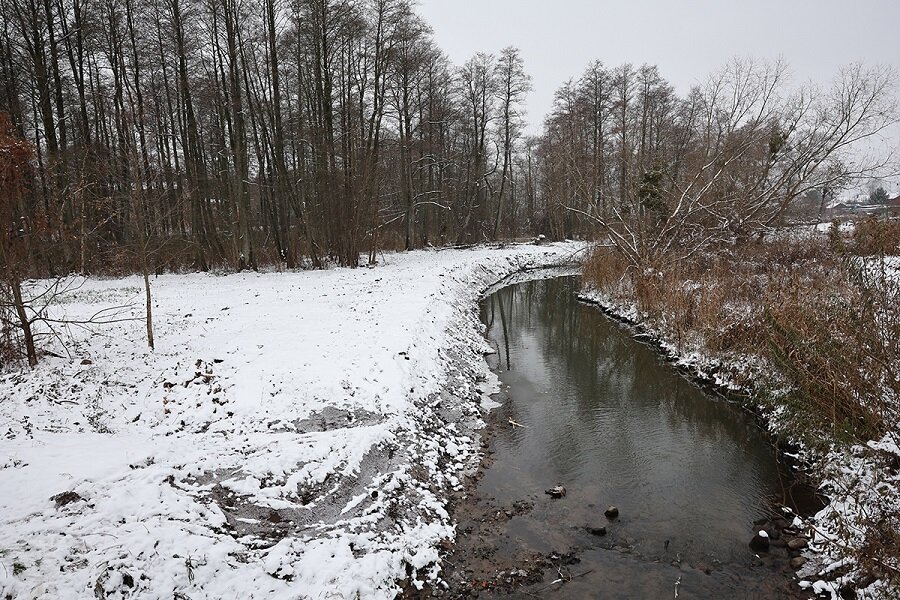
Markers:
point(294, 435)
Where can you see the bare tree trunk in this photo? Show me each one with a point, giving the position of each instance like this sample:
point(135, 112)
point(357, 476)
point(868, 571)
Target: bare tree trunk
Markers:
point(149, 304)
point(24, 322)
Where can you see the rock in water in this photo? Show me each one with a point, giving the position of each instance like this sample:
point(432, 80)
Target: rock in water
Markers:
point(612, 512)
point(556, 492)
point(596, 530)
point(797, 562)
point(760, 542)
point(797, 543)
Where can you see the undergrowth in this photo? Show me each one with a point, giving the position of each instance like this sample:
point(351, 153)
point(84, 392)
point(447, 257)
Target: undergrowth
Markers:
point(810, 324)
point(824, 322)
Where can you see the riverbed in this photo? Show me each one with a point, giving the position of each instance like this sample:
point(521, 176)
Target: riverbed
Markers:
point(589, 410)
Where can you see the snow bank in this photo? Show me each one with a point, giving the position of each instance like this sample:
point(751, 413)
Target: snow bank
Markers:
point(293, 435)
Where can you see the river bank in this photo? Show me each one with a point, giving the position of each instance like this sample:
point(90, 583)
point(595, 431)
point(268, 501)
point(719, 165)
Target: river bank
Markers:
point(766, 324)
point(293, 433)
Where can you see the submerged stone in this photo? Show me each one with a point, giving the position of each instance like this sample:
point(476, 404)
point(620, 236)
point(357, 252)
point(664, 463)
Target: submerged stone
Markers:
point(760, 542)
point(556, 492)
point(797, 543)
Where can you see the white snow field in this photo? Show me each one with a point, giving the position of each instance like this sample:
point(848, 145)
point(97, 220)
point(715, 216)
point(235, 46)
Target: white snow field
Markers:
point(294, 435)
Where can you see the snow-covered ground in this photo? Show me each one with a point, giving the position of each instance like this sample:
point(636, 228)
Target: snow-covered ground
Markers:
point(294, 435)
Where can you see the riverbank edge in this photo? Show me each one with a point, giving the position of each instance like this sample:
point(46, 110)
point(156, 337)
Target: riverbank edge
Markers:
point(531, 573)
point(467, 363)
point(823, 469)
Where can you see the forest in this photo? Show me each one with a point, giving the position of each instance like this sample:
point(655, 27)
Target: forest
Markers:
point(199, 134)
point(236, 134)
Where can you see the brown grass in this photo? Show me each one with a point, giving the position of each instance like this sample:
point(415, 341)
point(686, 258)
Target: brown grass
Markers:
point(828, 332)
point(822, 315)
point(874, 236)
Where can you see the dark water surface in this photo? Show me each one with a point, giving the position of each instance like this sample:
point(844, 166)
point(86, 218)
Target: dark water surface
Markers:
point(607, 418)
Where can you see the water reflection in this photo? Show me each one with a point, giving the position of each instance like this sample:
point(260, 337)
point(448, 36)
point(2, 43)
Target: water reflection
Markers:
point(606, 418)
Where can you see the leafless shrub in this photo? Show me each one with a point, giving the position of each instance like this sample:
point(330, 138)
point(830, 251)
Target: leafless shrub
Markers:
point(10, 342)
point(828, 326)
point(51, 330)
point(873, 237)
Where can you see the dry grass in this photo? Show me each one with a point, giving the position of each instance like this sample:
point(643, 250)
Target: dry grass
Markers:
point(829, 331)
point(821, 315)
point(873, 237)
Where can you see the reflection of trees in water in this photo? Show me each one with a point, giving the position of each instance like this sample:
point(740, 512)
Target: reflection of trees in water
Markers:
point(606, 375)
point(612, 422)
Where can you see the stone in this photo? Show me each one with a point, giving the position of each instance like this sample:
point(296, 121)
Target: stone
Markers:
point(798, 543)
point(65, 498)
point(556, 492)
point(798, 562)
point(612, 512)
point(760, 542)
point(596, 530)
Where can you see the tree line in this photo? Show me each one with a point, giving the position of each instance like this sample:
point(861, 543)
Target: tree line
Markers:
point(208, 133)
point(175, 134)
point(662, 176)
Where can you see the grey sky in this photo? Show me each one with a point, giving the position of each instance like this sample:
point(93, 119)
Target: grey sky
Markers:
point(687, 39)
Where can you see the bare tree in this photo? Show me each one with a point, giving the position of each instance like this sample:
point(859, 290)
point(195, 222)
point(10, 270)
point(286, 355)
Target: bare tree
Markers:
point(15, 162)
point(740, 151)
point(513, 84)
point(478, 86)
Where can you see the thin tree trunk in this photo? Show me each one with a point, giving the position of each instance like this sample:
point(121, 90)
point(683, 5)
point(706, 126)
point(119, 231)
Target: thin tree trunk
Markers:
point(24, 322)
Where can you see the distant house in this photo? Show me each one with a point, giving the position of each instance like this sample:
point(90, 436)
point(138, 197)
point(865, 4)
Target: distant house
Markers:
point(856, 207)
point(892, 206)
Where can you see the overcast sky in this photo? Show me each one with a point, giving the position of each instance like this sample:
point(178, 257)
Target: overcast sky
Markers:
point(687, 39)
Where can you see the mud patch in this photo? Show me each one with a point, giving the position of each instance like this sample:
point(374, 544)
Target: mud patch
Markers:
point(328, 419)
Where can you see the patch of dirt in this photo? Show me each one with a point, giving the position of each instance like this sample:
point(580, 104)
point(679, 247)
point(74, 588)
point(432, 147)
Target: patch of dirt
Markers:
point(328, 419)
point(66, 498)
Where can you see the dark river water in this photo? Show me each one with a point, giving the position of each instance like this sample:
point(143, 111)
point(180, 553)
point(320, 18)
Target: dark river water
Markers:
point(604, 416)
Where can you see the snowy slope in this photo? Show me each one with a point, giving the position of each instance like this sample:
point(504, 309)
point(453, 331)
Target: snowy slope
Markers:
point(294, 435)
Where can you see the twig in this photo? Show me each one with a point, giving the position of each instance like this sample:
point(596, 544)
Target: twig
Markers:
point(547, 587)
